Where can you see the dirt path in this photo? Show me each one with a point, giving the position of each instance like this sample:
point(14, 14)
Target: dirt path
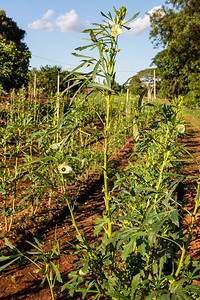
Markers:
point(22, 282)
point(191, 169)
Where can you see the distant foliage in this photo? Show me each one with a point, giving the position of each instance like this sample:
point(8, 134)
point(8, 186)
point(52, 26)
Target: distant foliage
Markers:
point(47, 80)
point(177, 29)
point(14, 54)
point(144, 81)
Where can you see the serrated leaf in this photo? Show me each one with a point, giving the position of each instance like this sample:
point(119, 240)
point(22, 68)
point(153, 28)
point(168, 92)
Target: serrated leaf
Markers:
point(128, 248)
point(152, 234)
point(142, 249)
point(134, 285)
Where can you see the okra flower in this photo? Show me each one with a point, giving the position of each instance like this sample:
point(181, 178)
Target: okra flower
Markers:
point(64, 169)
point(116, 30)
point(82, 273)
point(180, 128)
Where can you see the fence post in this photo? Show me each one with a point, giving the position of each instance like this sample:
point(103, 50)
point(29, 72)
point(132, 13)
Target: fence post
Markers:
point(58, 103)
point(154, 83)
point(34, 86)
point(127, 92)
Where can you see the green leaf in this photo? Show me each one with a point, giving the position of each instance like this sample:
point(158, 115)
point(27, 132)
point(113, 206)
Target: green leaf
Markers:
point(58, 276)
point(128, 248)
point(117, 295)
point(95, 70)
point(83, 47)
point(131, 18)
point(100, 86)
point(89, 58)
point(165, 297)
point(142, 249)
point(2, 191)
point(152, 234)
point(9, 263)
point(104, 15)
point(35, 246)
point(8, 244)
point(41, 176)
point(174, 217)
point(134, 284)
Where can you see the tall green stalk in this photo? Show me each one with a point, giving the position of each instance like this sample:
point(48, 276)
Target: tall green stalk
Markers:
point(106, 151)
point(105, 39)
point(71, 211)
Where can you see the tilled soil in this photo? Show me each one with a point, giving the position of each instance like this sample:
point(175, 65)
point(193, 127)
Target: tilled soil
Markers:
point(22, 282)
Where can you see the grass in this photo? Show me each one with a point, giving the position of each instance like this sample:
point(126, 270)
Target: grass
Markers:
point(193, 114)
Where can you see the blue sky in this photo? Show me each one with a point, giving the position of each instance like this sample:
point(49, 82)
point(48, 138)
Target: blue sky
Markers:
point(53, 31)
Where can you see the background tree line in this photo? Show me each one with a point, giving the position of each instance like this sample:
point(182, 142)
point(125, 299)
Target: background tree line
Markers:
point(14, 54)
point(46, 79)
point(175, 27)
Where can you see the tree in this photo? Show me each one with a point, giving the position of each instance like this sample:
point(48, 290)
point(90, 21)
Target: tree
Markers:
point(47, 77)
point(144, 81)
point(14, 54)
point(176, 27)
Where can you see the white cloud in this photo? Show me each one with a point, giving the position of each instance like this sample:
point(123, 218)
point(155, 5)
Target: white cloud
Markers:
point(141, 24)
point(42, 23)
point(48, 14)
point(67, 23)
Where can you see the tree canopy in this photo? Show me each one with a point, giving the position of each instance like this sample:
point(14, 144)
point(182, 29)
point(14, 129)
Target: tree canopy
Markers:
point(47, 77)
point(14, 54)
point(144, 81)
point(176, 27)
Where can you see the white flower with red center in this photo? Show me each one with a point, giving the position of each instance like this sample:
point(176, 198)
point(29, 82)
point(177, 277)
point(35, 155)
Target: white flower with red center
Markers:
point(64, 169)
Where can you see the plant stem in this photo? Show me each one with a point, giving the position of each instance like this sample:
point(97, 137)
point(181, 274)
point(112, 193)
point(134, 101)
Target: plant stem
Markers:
point(160, 179)
point(71, 211)
point(106, 149)
point(50, 283)
point(164, 163)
